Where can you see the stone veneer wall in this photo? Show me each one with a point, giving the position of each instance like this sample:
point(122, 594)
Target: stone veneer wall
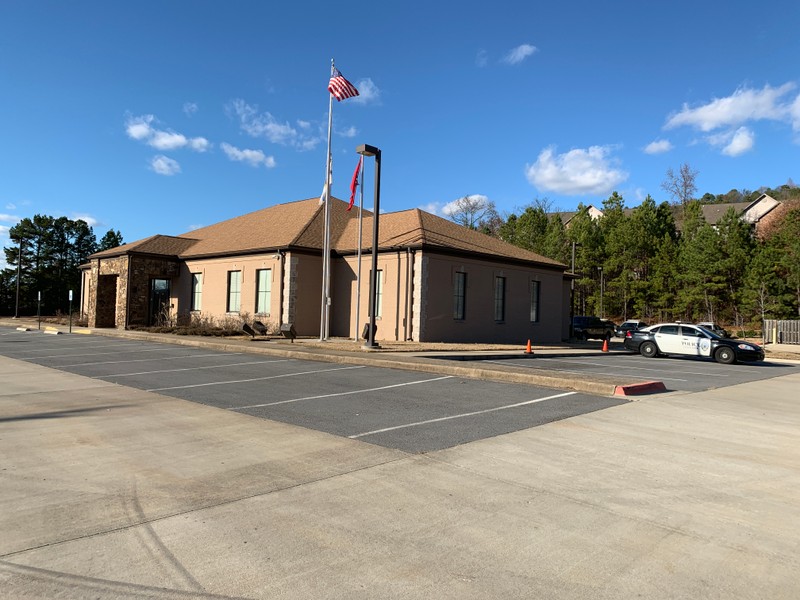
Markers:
point(136, 271)
point(142, 270)
point(289, 290)
point(100, 297)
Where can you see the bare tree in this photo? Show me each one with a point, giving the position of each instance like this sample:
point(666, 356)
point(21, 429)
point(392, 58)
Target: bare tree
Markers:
point(682, 186)
point(471, 211)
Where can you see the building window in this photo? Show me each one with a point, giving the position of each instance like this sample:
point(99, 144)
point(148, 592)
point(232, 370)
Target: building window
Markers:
point(234, 291)
point(197, 291)
point(499, 298)
point(263, 291)
point(535, 301)
point(379, 294)
point(459, 296)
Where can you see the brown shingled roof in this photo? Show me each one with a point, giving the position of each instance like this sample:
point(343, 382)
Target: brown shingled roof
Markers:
point(300, 224)
point(165, 245)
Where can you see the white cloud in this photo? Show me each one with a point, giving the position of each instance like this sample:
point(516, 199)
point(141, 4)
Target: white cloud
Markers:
point(435, 208)
point(254, 158)
point(482, 58)
point(658, 147)
point(141, 129)
point(190, 108)
point(454, 206)
point(90, 220)
point(350, 132)
point(11, 206)
point(518, 54)
point(794, 112)
point(9, 218)
point(265, 125)
point(138, 128)
point(577, 172)
point(193, 227)
point(734, 143)
point(163, 165)
point(368, 92)
point(742, 106)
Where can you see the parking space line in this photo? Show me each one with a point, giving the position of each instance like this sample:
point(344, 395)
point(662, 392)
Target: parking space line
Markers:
point(633, 368)
point(133, 360)
point(94, 354)
point(82, 347)
point(459, 416)
point(376, 389)
point(196, 385)
point(583, 372)
point(257, 362)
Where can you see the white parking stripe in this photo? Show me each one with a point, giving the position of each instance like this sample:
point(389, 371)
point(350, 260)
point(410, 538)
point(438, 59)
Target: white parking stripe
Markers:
point(133, 360)
point(257, 362)
point(83, 347)
point(196, 385)
point(633, 368)
point(583, 372)
point(94, 354)
point(385, 387)
point(460, 416)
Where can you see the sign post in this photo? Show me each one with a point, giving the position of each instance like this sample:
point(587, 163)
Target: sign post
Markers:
point(39, 309)
point(70, 311)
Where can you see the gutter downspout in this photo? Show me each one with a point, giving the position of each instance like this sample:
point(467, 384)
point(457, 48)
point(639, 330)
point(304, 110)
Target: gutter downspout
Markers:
point(281, 259)
point(127, 295)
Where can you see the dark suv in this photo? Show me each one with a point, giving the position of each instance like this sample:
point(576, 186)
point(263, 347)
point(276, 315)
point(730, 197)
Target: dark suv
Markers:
point(585, 328)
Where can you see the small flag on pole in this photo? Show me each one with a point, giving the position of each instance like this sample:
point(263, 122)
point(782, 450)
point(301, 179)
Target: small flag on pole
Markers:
point(354, 182)
point(340, 87)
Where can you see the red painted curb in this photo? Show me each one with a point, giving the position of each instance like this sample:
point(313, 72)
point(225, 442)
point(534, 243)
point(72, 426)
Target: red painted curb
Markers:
point(634, 389)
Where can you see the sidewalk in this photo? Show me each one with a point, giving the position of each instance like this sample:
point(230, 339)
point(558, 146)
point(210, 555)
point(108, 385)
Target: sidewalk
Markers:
point(112, 492)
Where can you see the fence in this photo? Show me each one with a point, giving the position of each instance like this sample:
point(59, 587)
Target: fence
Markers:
point(781, 332)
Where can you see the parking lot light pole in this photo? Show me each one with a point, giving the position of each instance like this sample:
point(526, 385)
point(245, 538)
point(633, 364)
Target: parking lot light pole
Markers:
point(367, 150)
point(19, 273)
point(602, 312)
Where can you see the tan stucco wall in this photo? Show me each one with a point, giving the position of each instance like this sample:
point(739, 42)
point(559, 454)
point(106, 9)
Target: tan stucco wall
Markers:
point(437, 281)
point(394, 322)
point(215, 287)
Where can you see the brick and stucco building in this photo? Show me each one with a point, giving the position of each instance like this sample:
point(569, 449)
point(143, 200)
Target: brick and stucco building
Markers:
point(437, 281)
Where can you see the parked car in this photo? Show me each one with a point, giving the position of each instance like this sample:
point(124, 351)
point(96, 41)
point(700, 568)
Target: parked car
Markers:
point(627, 326)
point(714, 328)
point(690, 340)
point(589, 327)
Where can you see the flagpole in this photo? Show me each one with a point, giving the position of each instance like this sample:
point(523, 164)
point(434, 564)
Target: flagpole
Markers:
point(358, 269)
point(324, 318)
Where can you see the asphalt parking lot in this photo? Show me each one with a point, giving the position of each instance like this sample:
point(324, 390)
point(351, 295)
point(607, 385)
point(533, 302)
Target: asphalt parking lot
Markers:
point(677, 373)
point(411, 411)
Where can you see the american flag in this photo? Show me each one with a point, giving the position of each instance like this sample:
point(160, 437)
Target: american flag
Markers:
point(340, 87)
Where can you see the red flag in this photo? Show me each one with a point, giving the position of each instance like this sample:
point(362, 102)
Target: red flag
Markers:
point(340, 87)
point(354, 182)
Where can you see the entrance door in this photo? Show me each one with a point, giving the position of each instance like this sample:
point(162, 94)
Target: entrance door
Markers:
point(159, 302)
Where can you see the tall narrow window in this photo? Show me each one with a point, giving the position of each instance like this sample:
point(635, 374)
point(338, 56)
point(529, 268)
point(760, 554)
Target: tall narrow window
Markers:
point(459, 296)
point(197, 291)
point(535, 301)
point(263, 291)
point(234, 291)
point(379, 294)
point(499, 298)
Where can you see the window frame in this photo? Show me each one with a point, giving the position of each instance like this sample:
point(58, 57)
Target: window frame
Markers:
point(536, 290)
point(196, 299)
point(234, 294)
point(460, 296)
point(265, 293)
point(499, 299)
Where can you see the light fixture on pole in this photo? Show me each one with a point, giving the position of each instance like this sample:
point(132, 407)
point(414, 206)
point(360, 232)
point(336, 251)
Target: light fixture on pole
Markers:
point(367, 150)
point(602, 312)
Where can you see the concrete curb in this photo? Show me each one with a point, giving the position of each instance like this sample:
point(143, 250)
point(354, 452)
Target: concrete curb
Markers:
point(638, 389)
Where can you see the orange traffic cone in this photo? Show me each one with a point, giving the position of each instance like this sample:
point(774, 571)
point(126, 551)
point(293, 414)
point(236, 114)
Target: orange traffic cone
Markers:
point(605, 345)
point(528, 348)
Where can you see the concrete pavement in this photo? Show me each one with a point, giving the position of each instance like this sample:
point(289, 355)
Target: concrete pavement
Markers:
point(111, 492)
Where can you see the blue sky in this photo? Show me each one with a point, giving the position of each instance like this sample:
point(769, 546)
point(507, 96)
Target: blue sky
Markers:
point(159, 117)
